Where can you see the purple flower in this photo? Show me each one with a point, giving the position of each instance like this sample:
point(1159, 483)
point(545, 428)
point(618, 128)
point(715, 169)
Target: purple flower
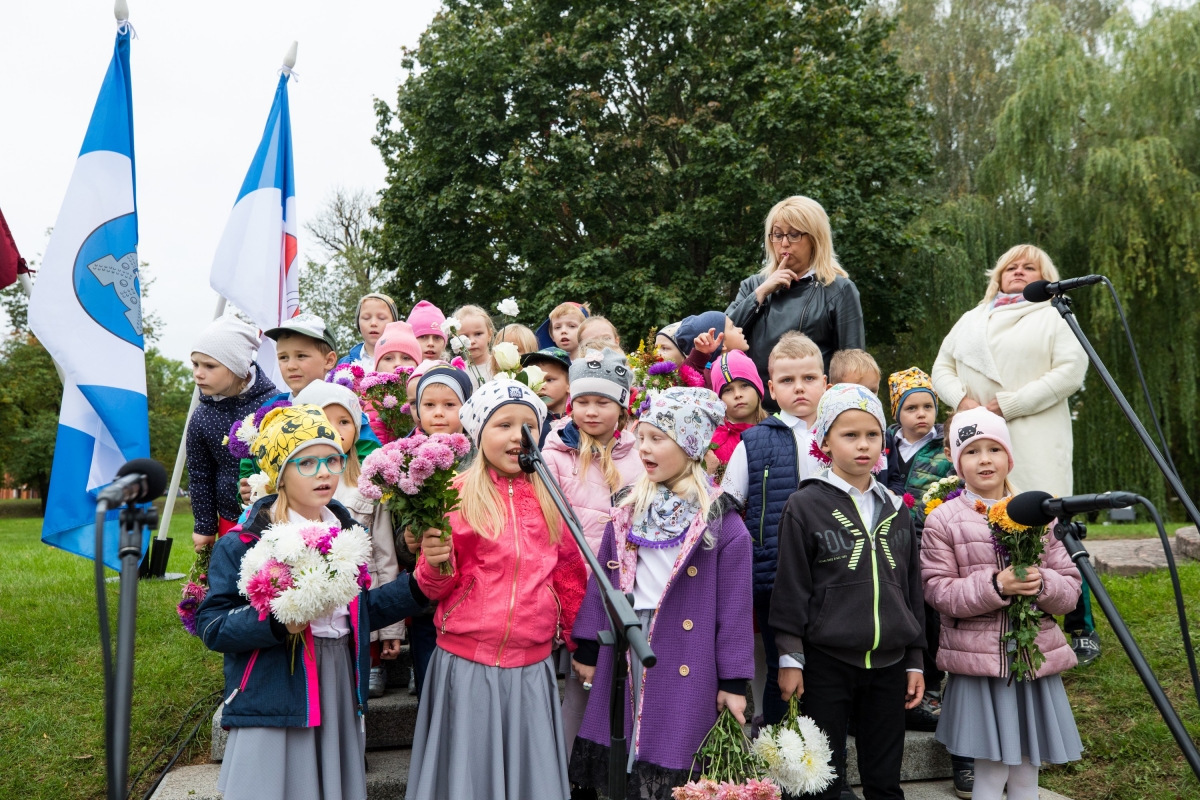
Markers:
point(364, 577)
point(262, 412)
point(237, 447)
point(953, 494)
point(662, 368)
point(406, 408)
point(390, 401)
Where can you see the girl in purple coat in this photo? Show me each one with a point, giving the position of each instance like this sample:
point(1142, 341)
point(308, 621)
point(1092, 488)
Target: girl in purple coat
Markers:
point(1009, 727)
point(678, 544)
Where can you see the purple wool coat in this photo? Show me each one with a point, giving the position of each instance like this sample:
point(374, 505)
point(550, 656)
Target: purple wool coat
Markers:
point(702, 633)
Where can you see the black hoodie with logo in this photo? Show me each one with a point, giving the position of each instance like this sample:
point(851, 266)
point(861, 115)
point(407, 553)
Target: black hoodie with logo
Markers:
point(850, 590)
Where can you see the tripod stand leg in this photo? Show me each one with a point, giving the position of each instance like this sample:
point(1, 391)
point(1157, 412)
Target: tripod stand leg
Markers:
point(1165, 709)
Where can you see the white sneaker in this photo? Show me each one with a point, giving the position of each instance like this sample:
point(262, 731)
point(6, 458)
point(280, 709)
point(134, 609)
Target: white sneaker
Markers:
point(378, 683)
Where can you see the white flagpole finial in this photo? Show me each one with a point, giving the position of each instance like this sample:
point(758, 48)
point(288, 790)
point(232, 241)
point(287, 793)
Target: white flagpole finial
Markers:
point(289, 60)
point(121, 11)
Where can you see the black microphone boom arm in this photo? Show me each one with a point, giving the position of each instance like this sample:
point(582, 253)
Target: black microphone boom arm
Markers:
point(624, 625)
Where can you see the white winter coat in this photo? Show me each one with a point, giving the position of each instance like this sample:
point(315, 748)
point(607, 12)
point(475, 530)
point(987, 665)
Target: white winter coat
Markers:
point(1025, 357)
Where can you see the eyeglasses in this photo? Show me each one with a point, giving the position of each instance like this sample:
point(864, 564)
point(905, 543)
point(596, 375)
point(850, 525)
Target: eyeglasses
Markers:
point(309, 466)
point(791, 237)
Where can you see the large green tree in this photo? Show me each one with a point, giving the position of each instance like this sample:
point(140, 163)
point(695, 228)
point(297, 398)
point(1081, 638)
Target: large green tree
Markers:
point(627, 153)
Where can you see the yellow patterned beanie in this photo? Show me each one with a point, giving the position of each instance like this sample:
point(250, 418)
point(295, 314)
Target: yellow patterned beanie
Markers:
point(902, 384)
point(286, 431)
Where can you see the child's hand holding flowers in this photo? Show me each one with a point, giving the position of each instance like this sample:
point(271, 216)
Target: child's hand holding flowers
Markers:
point(435, 549)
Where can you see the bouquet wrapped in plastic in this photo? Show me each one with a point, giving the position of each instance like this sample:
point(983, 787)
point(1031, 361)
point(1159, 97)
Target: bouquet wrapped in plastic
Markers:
point(301, 571)
point(412, 478)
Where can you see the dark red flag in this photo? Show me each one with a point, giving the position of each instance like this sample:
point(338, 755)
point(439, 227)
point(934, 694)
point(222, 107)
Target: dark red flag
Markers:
point(11, 263)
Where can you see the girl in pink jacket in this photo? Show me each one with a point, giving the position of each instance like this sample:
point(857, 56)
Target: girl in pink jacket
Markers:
point(593, 457)
point(1009, 727)
point(489, 723)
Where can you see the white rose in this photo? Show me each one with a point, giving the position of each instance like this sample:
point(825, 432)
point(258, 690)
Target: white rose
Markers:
point(508, 357)
point(451, 325)
point(536, 376)
point(258, 486)
point(508, 307)
point(459, 343)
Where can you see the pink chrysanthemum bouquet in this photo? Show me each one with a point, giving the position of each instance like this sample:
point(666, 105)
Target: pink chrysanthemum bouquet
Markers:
point(412, 478)
point(387, 393)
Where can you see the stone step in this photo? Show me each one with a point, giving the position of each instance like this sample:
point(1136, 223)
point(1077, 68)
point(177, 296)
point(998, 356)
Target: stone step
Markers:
point(387, 779)
point(1128, 557)
point(391, 720)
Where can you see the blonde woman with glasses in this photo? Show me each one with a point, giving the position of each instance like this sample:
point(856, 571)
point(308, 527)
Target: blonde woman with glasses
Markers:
point(801, 287)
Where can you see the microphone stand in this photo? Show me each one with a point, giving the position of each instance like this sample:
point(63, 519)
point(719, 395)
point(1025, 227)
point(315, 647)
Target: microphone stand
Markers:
point(625, 629)
point(1070, 533)
point(1062, 304)
point(119, 690)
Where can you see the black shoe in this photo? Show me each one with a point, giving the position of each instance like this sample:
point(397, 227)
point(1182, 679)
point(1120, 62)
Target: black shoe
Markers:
point(925, 716)
point(847, 793)
point(964, 776)
point(1086, 647)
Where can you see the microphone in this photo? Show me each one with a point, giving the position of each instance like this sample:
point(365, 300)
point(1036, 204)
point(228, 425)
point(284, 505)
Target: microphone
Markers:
point(1041, 508)
point(529, 451)
point(138, 481)
point(1041, 291)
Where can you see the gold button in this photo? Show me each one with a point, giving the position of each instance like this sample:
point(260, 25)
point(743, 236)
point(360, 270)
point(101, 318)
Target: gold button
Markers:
point(691, 572)
point(684, 670)
point(687, 624)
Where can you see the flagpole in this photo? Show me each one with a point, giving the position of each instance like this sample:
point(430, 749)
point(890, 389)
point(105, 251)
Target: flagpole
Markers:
point(181, 455)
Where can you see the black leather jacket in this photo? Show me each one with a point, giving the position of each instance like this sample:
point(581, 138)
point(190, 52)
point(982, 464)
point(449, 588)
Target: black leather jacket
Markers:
point(829, 315)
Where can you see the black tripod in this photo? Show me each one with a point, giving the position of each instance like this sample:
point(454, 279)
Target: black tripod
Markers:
point(118, 691)
point(625, 630)
point(1070, 533)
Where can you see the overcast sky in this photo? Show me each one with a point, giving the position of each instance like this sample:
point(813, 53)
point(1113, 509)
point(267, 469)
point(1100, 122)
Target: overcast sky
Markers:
point(204, 76)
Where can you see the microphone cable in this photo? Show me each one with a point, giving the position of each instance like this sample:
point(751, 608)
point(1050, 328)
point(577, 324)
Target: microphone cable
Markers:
point(1137, 364)
point(1180, 610)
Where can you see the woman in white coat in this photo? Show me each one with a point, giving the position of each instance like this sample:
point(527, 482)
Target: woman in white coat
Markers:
point(1021, 361)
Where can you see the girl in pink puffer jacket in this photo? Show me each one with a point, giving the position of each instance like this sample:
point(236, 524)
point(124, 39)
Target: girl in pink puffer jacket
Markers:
point(1009, 727)
point(593, 457)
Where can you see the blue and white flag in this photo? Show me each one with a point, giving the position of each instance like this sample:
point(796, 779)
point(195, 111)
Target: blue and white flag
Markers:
point(86, 310)
point(256, 266)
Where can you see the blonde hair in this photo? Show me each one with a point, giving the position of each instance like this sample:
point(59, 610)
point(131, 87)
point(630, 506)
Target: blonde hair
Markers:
point(1027, 252)
point(594, 319)
point(570, 309)
point(692, 485)
point(515, 333)
point(589, 448)
point(476, 311)
point(760, 413)
point(805, 215)
point(483, 509)
point(852, 363)
point(793, 344)
point(279, 511)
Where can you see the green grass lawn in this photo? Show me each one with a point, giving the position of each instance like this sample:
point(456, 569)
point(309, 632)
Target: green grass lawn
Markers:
point(51, 682)
point(1130, 754)
point(1132, 530)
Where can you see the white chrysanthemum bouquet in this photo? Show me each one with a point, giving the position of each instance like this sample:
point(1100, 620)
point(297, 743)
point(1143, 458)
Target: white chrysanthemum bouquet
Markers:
point(301, 571)
point(796, 753)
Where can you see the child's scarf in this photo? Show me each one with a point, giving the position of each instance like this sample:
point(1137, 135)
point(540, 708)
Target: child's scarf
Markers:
point(725, 439)
point(665, 522)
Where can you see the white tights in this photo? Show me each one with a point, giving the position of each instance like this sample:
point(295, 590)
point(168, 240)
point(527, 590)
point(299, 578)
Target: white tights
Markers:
point(991, 776)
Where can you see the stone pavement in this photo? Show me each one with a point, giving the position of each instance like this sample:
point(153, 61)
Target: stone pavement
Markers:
point(1127, 557)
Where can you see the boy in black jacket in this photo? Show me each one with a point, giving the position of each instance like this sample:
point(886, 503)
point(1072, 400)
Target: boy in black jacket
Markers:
point(847, 604)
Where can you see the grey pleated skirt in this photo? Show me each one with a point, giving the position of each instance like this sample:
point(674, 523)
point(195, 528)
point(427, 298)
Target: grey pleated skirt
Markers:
point(488, 732)
point(989, 718)
point(321, 763)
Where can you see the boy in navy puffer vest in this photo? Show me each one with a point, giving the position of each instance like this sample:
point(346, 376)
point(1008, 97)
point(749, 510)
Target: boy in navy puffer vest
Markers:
point(765, 468)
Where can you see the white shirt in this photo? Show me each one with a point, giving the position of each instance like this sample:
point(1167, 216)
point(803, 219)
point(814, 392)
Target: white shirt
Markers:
point(337, 624)
point(653, 571)
point(909, 449)
point(737, 472)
